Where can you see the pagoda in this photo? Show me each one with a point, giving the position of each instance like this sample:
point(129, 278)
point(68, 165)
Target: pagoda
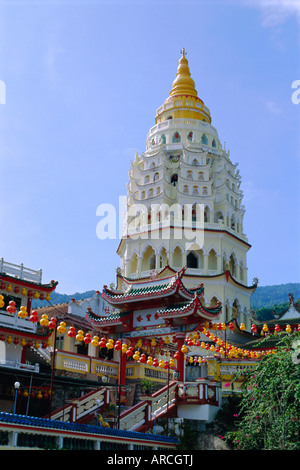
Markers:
point(184, 206)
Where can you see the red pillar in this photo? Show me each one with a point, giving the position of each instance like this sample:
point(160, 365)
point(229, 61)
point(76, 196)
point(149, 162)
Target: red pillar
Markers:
point(23, 355)
point(180, 337)
point(122, 371)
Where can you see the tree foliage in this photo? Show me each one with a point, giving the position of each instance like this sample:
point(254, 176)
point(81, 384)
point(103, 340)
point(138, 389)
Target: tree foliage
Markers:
point(269, 411)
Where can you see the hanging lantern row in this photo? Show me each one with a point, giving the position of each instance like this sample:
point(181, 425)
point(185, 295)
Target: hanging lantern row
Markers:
point(196, 360)
point(265, 329)
point(222, 347)
point(23, 342)
point(25, 292)
point(35, 394)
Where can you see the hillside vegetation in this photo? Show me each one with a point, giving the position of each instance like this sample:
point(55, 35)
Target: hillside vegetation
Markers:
point(265, 301)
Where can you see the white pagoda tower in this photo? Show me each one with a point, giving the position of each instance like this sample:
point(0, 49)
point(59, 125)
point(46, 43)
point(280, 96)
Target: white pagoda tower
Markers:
point(185, 166)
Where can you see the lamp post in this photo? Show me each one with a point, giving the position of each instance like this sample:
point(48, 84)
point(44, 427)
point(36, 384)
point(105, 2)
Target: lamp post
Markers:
point(98, 405)
point(17, 386)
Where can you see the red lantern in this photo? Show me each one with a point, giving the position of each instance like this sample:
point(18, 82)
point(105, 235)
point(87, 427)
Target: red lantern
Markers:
point(2, 337)
point(17, 289)
point(52, 323)
point(118, 346)
point(166, 366)
point(87, 339)
point(277, 328)
point(72, 332)
point(176, 355)
point(42, 296)
point(254, 328)
point(16, 340)
point(129, 352)
point(207, 346)
point(34, 318)
point(155, 362)
point(231, 326)
point(30, 293)
point(2, 285)
point(143, 358)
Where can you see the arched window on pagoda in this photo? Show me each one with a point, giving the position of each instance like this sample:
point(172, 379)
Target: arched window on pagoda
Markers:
point(176, 137)
point(192, 260)
point(190, 136)
point(177, 257)
point(212, 260)
point(148, 257)
point(204, 139)
point(213, 143)
point(174, 179)
point(200, 176)
point(232, 265)
point(156, 177)
point(163, 139)
point(152, 262)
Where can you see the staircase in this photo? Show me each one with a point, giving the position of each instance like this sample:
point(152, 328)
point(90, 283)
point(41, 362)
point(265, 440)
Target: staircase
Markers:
point(141, 417)
point(83, 409)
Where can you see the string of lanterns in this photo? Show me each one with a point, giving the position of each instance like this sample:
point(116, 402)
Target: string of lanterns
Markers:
point(216, 344)
point(31, 294)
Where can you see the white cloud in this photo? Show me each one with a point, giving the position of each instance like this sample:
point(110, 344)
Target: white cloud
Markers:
point(275, 12)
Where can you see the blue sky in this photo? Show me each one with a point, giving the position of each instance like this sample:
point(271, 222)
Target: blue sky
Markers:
point(83, 82)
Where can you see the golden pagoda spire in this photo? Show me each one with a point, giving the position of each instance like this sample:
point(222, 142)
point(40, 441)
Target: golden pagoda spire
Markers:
point(183, 83)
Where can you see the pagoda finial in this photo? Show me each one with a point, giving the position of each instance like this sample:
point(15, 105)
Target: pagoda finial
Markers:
point(183, 83)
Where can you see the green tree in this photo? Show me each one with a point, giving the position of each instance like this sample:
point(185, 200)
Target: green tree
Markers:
point(269, 412)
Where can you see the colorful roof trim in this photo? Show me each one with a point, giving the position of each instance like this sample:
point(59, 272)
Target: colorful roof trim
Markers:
point(152, 289)
point(30, 284)
point(112, 319)
point(194, 306)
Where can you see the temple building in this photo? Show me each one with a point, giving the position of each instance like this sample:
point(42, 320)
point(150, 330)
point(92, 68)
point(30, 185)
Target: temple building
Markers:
point(185, 205)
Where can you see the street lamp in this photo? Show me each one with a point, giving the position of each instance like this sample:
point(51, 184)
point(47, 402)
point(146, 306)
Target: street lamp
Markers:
point(17, 386)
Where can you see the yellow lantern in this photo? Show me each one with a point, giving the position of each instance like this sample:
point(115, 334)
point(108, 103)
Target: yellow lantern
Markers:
point(242, 326)
point(212, 348)
point(39, 395)
point(95, 341)
point(288, 329)
point(191, 360)
point(139, 343)
point(150, 361)
point(44, 320)
point(136, 356)
point(9, 339)
point(48, 297)
point(167, 340)
point(1, 301)
point(80, 335)
point(110, 344)
point(9, 288)
point(23, 312)
point(23, 342)
point(24, 291)
point(61, 327)
point(202, 344)
point(36, 345)
point(36, 295)
point(161, 364)
point(265, 328)
point(223, 326)
point(184, 349)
